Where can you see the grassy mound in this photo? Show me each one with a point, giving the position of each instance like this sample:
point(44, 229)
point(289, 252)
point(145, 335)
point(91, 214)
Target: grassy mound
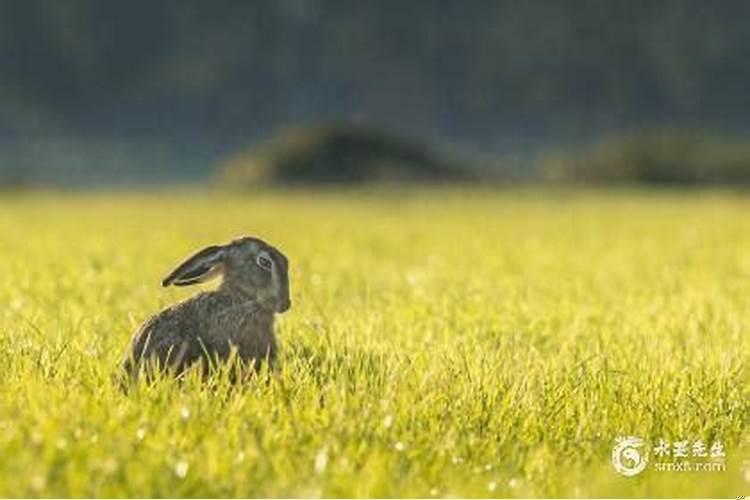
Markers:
point(338, 155)
point(656, 157)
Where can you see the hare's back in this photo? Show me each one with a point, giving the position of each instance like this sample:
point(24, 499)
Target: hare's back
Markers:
point(168, 337)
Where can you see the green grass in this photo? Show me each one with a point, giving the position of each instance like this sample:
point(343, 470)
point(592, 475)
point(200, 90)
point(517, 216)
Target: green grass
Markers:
point(440, 344)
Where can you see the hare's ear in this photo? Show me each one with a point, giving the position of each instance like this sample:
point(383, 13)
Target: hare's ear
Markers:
point(204, 265)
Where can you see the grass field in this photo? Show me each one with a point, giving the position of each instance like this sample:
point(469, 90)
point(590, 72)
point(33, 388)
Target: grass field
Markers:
point(440, 343)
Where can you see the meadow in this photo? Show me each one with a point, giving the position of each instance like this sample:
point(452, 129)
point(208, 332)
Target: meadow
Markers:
point(441, 343)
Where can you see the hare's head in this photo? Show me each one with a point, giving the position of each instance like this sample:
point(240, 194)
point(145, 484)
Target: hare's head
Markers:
point(250, 267)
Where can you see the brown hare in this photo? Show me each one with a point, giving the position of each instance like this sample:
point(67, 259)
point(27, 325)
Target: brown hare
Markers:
point(237, 316)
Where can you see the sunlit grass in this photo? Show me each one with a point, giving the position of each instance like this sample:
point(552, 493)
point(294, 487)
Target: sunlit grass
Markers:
point(440, 344)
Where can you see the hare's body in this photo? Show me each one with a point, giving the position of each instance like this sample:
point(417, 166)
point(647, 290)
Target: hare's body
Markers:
point(210, 326)
point(205, 328)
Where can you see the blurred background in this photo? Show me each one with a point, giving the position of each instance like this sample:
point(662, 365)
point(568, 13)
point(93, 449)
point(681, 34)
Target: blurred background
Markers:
point(251, 93)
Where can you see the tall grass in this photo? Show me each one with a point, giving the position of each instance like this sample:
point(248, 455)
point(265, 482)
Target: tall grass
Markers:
point(440, 344)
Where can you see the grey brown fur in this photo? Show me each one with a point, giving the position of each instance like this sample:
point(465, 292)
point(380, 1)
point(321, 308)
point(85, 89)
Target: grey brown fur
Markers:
point(238, 315)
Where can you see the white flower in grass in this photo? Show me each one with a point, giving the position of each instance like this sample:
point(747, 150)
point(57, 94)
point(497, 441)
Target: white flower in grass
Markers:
point(491, 486)
point(140, 434)
point(185, 413)
point(400, 446)
point(513, 483)
point(434, 492)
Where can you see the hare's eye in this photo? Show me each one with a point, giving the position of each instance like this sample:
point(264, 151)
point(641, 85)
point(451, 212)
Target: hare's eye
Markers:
point(264, 262)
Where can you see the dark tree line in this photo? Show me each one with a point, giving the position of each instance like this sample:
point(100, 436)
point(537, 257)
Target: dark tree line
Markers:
point(490, 74)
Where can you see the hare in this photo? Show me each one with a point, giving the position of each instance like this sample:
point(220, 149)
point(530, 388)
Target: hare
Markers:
point(238, 315)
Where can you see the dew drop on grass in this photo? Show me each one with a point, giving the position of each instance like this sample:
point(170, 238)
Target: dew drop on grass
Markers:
point(321, 461)
point(110, 465)
point(388, 421)
point(412, 278)
point(37, 438)
point(38, 482)
point(181, 469)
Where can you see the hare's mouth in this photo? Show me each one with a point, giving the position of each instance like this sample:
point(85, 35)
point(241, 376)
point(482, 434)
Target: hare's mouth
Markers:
point(284, 305)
